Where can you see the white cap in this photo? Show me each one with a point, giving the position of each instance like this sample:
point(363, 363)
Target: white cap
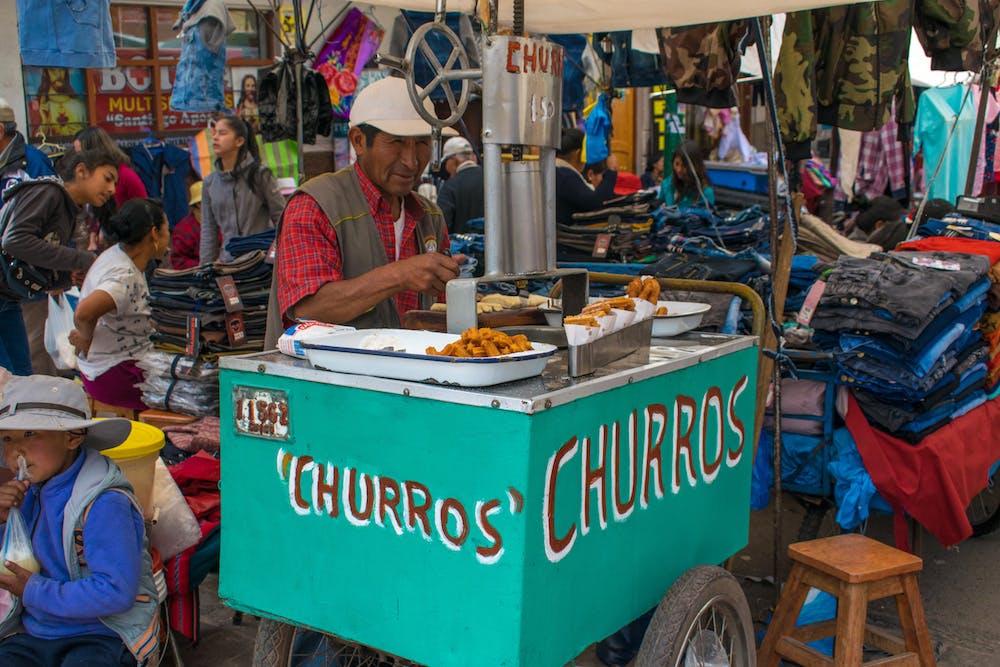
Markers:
point(287, 185)
point(386, 105)
point(455, 146)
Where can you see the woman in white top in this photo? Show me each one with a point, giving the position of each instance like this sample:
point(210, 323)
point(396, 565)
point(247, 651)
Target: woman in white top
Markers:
point(113, 317)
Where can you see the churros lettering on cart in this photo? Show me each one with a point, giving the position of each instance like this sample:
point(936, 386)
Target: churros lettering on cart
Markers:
point(594, 474)
point(405, 507)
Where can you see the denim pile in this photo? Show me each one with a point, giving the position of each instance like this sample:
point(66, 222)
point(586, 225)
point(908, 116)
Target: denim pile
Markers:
point(745, 229)
point(240, 245)
point(183, 376)
point(902, 328)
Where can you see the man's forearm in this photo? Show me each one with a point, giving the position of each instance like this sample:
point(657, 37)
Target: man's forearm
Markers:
point(341, 301)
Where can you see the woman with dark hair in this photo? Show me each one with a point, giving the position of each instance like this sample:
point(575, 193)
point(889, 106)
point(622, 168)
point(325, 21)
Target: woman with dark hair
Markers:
point(688, 186)
point(130, 186)
point(241, 196)
point(38, 219)
point(112, 318)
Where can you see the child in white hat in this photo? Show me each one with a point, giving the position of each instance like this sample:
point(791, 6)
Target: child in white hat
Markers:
point(92, 600)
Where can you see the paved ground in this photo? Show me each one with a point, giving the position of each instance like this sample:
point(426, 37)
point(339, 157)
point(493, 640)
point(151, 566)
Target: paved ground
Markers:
point(960, 588)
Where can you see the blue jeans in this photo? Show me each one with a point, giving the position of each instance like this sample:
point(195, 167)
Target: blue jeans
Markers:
point(15, 355)
point(23, 650)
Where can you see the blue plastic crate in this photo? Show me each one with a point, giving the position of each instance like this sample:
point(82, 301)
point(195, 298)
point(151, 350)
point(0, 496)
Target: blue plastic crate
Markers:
point(735, 177)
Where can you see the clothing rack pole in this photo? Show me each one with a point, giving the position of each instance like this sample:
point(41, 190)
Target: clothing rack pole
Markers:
point(984, 96)
point(298, 61)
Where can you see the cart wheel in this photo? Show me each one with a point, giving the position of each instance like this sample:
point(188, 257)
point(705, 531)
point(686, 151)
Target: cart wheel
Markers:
point(984, 510)
point(282, 645)
point(702, 621)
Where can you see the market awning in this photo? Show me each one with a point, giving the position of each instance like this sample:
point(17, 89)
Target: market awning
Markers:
point(582, 16)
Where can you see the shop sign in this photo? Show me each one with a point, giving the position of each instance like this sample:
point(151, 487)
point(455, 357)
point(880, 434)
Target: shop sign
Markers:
point(526, 100)
point(262, 413)
point(124, 101)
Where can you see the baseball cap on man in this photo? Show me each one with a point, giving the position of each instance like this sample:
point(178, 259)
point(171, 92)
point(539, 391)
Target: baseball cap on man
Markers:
point(455, 146)
point(46, 403)
point(386, 105)
point(6, 111)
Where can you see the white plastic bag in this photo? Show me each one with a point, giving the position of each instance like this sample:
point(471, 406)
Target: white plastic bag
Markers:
point(57, 328)
point(16, 542)
point(176, 527)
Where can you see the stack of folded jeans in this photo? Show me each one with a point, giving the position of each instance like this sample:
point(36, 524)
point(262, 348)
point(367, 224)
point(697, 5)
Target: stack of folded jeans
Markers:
point(902, 328)
point(241, 245)
point(182, 375)
point(177, 295)
point(746, 229)
point(958, 226)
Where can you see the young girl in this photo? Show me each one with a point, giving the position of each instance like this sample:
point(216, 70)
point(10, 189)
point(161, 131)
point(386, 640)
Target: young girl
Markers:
point(241, 196)
point(129, 184)
point(41, 215)
point(682, 188)
point(112, 318)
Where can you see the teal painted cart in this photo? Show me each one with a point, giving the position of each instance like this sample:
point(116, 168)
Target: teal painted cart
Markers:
point(511, 525)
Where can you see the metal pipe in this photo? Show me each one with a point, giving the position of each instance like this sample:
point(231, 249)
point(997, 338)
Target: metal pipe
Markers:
point(492, 207)
point(548, 164)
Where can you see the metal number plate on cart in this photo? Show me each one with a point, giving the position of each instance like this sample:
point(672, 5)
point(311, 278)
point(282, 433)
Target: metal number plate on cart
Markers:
point(262, 413)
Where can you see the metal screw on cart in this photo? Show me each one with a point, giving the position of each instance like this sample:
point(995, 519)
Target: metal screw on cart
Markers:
point(406, 392)
point(262, 368)
point(495, 403)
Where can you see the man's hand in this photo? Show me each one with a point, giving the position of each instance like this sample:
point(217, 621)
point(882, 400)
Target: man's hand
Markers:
point(11, 495)
point(15, 583)
point(81, 342)
point(427, 273)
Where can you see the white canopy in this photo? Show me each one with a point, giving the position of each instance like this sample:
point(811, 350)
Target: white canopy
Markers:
point(584, 16)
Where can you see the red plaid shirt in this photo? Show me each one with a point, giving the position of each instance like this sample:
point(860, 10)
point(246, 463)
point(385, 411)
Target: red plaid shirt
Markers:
point(309, 253)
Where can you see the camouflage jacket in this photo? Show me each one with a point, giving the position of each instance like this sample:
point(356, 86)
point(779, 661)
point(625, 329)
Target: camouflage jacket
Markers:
point(843, 66)
point(954, 33)
point(703, 61)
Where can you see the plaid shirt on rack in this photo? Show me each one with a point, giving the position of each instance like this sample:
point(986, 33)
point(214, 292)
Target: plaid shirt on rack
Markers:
point(881, 162)
point(309, 253)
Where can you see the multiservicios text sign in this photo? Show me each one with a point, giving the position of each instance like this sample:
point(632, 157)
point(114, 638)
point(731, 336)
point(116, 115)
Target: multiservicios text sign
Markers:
point(523, 104)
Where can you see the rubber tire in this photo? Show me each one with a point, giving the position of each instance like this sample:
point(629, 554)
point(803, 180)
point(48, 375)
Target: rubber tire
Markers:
point(992, 522)
point(679, 609)
point(273, 643)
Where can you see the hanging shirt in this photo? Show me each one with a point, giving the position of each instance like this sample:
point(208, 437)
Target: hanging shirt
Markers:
point(57, 33)
point(936, 112)
point(163, 169)
point(881, 163)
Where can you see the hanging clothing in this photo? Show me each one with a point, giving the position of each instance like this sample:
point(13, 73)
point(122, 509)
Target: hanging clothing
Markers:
point(850, 152)
point(598, 128)
point(935, 115)
point(59, 33)
point(629, 68)
point(201, 71)
point(703, 61)
point(349, 46)
point(276, 101)
point(953, 32)
point(575, 72)
point(163, 169)
point(881, 163)
point(842, 66)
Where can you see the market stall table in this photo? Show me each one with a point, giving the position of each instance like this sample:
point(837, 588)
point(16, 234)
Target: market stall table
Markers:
point(517, 523)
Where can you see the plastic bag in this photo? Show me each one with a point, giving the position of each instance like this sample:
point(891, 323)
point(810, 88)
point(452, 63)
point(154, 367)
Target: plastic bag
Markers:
point(176, 527)
point(57, 328)
point(16, 542)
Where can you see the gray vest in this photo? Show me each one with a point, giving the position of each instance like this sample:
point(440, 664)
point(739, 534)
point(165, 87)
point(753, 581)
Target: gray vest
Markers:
point(361, 248)
point(340, 197)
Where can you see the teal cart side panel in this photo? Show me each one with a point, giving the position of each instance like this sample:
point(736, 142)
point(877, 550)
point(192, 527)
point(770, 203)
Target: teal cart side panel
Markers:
point(585, 578)
point(448, 599)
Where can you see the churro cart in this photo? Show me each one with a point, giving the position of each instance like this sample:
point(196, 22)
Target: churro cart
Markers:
point(419, 511)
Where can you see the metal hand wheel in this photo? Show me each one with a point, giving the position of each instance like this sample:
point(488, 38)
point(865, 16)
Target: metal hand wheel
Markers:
point(444, 74)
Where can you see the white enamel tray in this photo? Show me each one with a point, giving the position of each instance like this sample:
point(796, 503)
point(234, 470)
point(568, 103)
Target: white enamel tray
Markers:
point(342, 353)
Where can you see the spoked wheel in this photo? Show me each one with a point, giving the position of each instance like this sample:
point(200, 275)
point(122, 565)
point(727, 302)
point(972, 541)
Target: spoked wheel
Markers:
point(703, 621)
point(984, 510)
point(283, 645)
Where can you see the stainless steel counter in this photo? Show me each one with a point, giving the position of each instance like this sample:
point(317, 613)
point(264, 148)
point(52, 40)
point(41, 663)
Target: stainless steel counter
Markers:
point(553, 387)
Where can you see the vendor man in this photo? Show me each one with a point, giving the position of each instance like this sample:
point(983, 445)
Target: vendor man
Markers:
point(359, 246)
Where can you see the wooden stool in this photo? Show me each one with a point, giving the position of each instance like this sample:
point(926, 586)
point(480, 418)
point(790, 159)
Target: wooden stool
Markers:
point(98, 409)
point(855, 569)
